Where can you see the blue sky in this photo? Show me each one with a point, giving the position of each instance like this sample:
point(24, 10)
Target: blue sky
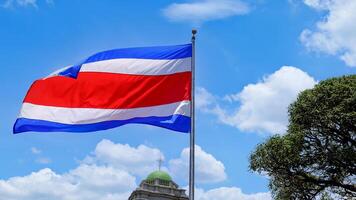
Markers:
point(243, 90)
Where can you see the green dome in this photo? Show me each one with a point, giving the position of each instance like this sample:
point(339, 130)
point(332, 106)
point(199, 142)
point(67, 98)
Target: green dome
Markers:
point(159, 175)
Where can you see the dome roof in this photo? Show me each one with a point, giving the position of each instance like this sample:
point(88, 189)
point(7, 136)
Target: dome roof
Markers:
point(159, 175)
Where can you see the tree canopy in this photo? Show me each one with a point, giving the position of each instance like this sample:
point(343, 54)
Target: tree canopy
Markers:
point(316, 158)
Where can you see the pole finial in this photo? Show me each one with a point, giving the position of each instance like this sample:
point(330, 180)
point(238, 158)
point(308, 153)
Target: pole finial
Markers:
point(194, 31)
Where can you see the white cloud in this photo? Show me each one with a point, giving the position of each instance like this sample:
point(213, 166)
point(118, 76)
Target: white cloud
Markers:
point(262, 107)
point(319, 4)
point(104, 179)
point(139, 161)
point(199, 11)
point(85, 182)
point(230, 193)
point(208, 168)
point(203, 99)
point(143, 160)
point(101, 177)
point(335, 33)
point(34, 150)
point(107, 174)
point(24, 3)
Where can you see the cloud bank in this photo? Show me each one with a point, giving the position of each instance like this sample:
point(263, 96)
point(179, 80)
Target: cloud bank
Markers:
point(335, 33)
point(85, 182)
point(111, 172)
point(260, 107)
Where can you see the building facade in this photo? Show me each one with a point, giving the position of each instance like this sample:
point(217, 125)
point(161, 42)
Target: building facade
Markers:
point(158, 186)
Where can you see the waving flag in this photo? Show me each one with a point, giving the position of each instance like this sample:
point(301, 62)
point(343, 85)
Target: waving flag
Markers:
point(147, 85)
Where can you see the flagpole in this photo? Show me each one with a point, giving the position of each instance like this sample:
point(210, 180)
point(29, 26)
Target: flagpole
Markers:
point(192, 127)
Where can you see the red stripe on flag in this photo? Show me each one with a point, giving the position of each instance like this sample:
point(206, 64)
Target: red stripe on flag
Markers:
point(108, 90)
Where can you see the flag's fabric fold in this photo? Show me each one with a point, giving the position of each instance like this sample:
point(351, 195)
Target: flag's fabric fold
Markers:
point(146, 85)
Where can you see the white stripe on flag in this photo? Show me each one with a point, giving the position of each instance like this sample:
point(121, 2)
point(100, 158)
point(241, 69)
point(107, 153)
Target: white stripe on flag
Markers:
point(85, 115)
point(139, 66)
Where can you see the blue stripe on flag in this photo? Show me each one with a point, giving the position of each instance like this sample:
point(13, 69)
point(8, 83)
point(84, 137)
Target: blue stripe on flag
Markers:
point(158, 53)
point(178, 123)
point(155, 53)
point(71, 72)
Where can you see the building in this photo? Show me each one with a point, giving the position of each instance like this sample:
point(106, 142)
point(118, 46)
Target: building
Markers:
point(158, 186)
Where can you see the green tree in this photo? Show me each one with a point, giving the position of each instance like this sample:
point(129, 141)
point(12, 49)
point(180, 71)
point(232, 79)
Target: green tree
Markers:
point(316, 158)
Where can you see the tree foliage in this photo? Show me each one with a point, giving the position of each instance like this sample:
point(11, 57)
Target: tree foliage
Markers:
point(316, 158)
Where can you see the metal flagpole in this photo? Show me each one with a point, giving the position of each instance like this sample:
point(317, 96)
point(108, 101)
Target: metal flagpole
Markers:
point(192, 126)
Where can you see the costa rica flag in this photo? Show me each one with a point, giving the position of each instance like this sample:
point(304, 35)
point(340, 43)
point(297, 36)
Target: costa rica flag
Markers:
point(145, 85)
